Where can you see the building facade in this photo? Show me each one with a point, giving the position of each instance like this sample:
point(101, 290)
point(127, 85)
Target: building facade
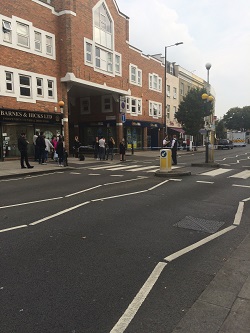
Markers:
point(72, 70)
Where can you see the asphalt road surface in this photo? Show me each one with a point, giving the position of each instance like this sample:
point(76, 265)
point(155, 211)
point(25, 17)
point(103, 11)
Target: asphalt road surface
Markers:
point(109, 247)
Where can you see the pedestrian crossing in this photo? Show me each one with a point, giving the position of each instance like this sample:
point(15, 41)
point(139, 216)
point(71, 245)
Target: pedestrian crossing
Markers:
point(245, 174)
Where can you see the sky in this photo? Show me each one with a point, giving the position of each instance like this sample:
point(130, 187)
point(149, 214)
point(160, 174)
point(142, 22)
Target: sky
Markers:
point(212, 31)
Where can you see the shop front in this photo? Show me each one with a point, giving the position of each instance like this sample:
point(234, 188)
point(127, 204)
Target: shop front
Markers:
point(14, 122)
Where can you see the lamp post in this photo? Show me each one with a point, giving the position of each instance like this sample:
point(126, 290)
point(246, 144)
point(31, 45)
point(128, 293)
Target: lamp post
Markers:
point(209, 123)
point(61, 105)
point(165, 86)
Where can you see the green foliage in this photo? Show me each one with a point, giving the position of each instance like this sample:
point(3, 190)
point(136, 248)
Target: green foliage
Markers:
point(237, 119)
point(192, 110)
point(220, 130)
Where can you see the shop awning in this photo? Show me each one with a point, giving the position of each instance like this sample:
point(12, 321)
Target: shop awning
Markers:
point(177, 129)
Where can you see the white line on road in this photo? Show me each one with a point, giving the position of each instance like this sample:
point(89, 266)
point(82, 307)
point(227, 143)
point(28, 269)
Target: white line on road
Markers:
point(134, 306)
point(243, 174)
point(125, 181)
point(215, 172)
point(247, 199)
point(87, 189)
point(119, 196)
point(59, 213)
point(30, 202)
point(201, 181)
point(238, 215)
point(13, 228)
point(198, 244)
point(152, 188)
point(241, 185)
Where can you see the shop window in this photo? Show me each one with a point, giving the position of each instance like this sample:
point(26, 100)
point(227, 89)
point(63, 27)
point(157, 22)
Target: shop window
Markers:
point(23, 34)
point(25, 85)
point(9, 81)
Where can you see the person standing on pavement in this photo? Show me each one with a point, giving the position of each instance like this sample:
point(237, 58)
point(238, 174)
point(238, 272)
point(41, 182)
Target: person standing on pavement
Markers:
point(36, 155)
point(48, 149)
point(102, 148)
point(60, 150)
point(174, 144)
point(76, 146)
point(23, 148)
point(122, 150)
point(110, 149)
point(40, 142)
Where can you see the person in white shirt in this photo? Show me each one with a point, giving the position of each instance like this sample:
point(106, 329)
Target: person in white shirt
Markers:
point(102, 148)
point(174, 144)
point(48, 148)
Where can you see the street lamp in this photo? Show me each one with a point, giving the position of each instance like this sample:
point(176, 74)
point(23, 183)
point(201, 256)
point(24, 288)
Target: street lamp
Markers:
point(208, 99)
point(61, 105)
point(165, 86)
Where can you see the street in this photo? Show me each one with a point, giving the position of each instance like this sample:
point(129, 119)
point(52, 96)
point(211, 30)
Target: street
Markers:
point(79, 247)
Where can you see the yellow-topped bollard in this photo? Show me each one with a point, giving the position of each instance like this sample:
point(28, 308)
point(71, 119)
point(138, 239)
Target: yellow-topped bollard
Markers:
point(165, 160)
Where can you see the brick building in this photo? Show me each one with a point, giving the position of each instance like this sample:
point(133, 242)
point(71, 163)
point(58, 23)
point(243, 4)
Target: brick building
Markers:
point(77, 52)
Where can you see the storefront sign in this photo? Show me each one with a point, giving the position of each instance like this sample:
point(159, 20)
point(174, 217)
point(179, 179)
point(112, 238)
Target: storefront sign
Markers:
point(18, 116)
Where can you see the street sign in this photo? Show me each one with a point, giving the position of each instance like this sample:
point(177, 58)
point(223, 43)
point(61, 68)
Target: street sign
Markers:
point(123, 117)
point(122, 104)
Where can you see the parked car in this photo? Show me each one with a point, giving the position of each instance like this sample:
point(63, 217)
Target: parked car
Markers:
point(225, 144)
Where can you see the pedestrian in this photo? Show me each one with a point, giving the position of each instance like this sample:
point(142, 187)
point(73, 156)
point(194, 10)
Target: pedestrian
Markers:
point(110, 148)
point(102, 148)
point(165, 142)
point(23, 148)
point(36, 153)
point(60, 151)
point(174, 145)
point(48, 149)
point(76, 146)
point(40, 142)
point(122, 150)
point(96, 148)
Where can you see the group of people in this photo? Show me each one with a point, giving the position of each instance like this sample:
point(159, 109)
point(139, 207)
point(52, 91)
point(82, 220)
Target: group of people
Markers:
point(43, 147)
point(103, 149)
point(173, 145)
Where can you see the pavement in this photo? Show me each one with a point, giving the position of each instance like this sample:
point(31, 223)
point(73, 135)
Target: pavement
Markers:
point(224, 306)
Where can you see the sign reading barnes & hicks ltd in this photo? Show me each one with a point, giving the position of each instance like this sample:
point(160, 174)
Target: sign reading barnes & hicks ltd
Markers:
point(20, 116)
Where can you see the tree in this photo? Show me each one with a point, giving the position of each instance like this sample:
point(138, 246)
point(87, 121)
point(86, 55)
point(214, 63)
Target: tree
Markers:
point(192, 110)
point(238, 119)
point(220, 129)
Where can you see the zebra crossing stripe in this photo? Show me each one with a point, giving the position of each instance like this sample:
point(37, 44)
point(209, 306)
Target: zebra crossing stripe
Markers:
point(244, 174)
point(124, 167)
point(215, 172)
point(143, 168)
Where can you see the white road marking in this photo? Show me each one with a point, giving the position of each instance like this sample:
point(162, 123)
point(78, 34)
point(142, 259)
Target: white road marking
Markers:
point(244, 174)
point(134, 306)
point(239, 213)
point(247, 199)
point(241, 185)
point(30, 202)
point(125, 181)
point(215, 172)
point(104, 166)
point(124, 167)
point(59, 213)
point(119, 196)
point(198, 244)
point(86, 190)
point(152, 188)
point(14, 228)
point(94, 174)
point(75, 173)
point(142, 168)
point(201, 181)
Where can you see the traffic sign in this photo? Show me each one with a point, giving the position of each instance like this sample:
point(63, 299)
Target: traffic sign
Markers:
point(123, 117)
point(122, 104)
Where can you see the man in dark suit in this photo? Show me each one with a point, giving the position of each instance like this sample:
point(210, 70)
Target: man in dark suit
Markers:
point(23, 148)
point(174, 146)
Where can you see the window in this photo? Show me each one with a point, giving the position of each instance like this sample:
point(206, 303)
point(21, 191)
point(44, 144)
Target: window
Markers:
point(168, 111)
point(103, 60)
point(135, 75)
point(7, 33)
point(25, 85)
point(155, 82)
point(171, 69)
point(175, 92)
point(38, 41)
point(39, 87)
point(9, 81)
point(49, 48)
point(50, 88)
point(133, 106)
point(117, 64)
point(182, 89)
point(155, 109)
point(106, 104)
point(85, 105)
point(89, 52)
point(103, 27)
point(168, 90)
point(22, 34)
